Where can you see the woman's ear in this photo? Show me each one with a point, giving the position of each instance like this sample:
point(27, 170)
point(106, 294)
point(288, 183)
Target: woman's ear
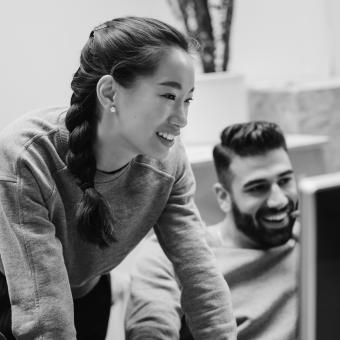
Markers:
point(106, 87)
point(223, 197)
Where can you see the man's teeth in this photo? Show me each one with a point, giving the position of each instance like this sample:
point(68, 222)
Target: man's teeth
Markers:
point(166, 135)
point(275, 218)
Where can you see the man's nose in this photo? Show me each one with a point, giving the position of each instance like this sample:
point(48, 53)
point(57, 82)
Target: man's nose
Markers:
point(277, 198)
point(179, 117)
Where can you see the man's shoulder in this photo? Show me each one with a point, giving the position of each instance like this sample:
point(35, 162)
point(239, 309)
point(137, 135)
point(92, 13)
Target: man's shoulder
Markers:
point(213, 236)
point(151, 250)
point(151, 259)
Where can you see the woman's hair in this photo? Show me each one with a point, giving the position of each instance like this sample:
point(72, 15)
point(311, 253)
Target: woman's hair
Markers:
point(125, 48)
point(245, 139)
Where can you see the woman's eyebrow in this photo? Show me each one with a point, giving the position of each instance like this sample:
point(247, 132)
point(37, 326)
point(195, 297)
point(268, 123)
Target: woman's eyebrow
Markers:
point(173, 84)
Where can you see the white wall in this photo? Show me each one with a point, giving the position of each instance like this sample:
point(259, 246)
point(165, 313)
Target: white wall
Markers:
point(282, 39)
point(40, 45)
point(271, 39)
point(333, 14)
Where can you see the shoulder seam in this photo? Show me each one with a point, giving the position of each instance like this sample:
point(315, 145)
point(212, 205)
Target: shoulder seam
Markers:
point(32, 140)
point(154, 169)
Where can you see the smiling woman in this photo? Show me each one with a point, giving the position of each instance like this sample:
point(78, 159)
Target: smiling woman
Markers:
point(151, 112)
point(81, 186)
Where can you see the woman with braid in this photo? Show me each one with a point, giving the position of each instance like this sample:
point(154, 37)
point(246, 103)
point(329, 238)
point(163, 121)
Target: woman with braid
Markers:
point(81, 186)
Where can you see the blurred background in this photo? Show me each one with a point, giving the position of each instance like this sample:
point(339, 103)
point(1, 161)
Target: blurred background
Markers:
point(283, 59)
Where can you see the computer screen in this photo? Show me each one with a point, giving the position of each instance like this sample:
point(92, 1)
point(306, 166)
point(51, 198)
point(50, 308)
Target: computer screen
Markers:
point(320, 257)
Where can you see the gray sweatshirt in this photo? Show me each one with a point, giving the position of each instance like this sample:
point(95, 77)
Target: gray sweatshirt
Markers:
point(42, 256)
point(263, 285)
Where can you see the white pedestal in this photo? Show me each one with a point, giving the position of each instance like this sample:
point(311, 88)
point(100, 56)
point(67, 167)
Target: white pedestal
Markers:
point(220, 99)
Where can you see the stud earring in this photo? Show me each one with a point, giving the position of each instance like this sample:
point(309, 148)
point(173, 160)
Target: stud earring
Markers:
point(113, 109)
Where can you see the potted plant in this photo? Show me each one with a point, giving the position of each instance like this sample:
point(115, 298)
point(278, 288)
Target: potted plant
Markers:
point(209, 22)
point(220, 95)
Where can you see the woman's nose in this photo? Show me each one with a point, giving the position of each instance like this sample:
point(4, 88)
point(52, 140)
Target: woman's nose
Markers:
point(179, 117)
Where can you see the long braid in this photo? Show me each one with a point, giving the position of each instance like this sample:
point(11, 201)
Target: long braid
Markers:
point(94, 219)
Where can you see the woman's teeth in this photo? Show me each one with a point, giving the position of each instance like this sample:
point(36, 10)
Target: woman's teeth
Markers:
point(167, 136)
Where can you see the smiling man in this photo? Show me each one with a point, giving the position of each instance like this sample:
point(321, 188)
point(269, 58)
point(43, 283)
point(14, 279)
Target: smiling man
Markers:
point(256, 186)
point(254, 244)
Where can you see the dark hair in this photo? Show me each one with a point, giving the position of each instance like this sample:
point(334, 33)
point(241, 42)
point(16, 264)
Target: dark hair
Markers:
point(245, 139)
point(125, 48)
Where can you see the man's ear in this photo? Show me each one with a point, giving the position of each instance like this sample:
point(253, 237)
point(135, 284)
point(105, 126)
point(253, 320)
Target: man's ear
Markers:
point(106, 87)
point(223, 197)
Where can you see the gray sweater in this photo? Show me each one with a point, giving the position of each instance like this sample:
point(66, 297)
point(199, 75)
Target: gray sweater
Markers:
point(46, 263)
point(263, 285)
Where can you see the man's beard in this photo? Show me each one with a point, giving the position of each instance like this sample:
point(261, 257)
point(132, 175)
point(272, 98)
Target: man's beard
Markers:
point(258, 232)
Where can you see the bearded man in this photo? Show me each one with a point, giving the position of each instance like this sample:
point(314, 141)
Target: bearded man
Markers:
point(254, 245)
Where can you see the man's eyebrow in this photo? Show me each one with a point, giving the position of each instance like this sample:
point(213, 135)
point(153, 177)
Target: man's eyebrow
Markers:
point(254, 182)
point(173, 84)
point(261, 180)
point(285, 173)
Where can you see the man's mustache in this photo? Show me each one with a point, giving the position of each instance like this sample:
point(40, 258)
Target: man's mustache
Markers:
point(290, 209)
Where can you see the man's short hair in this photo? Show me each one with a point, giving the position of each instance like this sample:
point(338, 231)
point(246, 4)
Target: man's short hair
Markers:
point(245, 139)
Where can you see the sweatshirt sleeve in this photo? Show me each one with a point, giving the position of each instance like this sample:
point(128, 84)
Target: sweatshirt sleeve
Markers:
point(206, 299)
point(153, 309)
point(32, 258)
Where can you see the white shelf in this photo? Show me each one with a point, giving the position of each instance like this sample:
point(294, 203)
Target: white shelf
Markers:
point(201, 153)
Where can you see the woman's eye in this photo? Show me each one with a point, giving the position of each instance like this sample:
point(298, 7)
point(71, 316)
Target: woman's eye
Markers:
point(169, 96)
point(188, 100)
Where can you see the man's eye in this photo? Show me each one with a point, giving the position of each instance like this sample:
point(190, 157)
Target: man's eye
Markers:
point(188, 100)
point(258, 188)
point(284, 181)
point(169, 96)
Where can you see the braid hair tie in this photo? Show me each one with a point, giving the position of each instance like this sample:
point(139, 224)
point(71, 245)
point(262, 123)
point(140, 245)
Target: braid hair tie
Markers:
point(86, 185)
